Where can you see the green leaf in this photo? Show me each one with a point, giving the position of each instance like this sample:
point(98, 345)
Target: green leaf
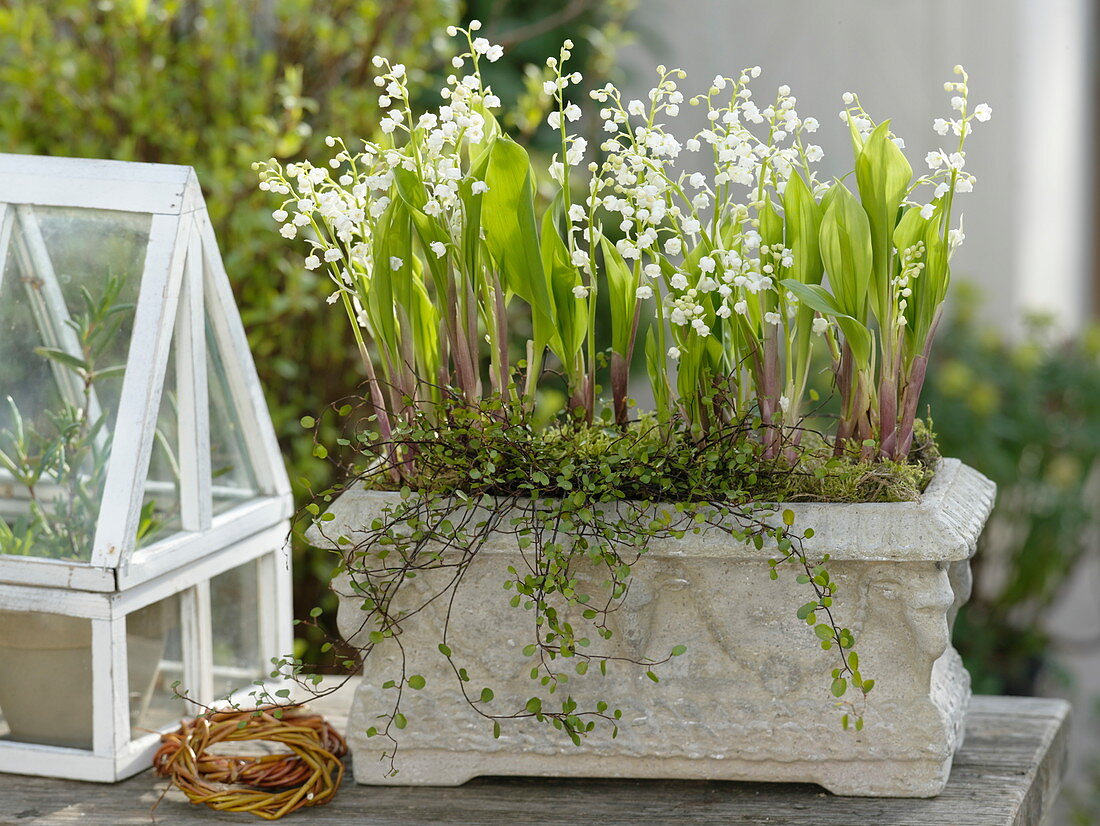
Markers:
point(63, 358)
point(803, 223)
point(511, 233)
point(936, 274)
point(910, 229)
point(845, 238)
point(883, 176)
point(572, 312)
point(622, 288)
point(805, 610)
point(771, 225)
point(803, 226)
point(840, 685)
point(487, 695)
point(857, 335)
point(677, 650)
point(400, 720)
point(390, 289)
point(108, 372)
point(655, 367)
point(814, 296)
point(417, 682)
point(534, 705)
point(472, 205)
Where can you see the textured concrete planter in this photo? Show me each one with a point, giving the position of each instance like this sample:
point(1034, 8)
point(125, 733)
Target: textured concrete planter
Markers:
point(748, 701)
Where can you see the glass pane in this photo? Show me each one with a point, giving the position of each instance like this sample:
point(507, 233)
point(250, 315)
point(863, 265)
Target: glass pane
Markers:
point(68, 284)
point(234, 479)
point(155, 653)
point(46, 678)
point(235, 610)
point(160, 515)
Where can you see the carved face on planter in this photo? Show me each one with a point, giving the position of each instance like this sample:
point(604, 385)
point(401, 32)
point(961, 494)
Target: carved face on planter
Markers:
point(909, 601)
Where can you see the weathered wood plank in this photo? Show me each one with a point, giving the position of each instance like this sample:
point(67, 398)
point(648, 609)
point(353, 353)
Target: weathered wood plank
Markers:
point(1007, 774)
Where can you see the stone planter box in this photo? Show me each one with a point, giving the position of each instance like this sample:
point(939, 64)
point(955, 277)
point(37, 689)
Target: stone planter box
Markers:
point(748, 701)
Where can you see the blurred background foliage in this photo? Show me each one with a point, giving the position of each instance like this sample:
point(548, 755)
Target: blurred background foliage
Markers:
point(217, 85)
point(1025, 412)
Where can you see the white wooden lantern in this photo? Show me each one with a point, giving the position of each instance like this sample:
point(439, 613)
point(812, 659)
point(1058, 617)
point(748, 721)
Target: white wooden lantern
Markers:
point(143, 505)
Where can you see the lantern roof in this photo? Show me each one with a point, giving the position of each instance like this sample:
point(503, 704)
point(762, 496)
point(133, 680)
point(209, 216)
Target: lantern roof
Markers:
point(134, 436)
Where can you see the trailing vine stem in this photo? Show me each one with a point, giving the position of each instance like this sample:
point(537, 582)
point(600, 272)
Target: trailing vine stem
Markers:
point(829, 632)
point(582, 504)
point(574, 500)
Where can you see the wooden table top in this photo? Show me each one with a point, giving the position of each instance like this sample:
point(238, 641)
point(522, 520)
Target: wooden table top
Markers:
point(1008, 773)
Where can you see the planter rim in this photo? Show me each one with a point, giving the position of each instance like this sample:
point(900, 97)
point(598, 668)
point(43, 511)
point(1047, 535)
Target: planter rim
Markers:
point(942, 526)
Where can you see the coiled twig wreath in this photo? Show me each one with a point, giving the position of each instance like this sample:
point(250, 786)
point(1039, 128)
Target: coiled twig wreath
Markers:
point(270, 785)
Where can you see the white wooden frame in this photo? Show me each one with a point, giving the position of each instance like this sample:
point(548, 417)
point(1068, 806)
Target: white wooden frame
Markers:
point(183, 288)
point(7, 221)
point(183, 280)
point(114, 755)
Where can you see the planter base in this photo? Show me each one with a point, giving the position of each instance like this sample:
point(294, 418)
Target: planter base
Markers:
point(550, 755)
point(855, 778)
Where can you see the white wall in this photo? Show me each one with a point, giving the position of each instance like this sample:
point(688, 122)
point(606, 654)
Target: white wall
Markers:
point(1026, 245)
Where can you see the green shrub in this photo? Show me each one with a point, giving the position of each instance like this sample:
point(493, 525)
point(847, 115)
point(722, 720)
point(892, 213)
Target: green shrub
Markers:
point(1024, 413)
point(216, 84)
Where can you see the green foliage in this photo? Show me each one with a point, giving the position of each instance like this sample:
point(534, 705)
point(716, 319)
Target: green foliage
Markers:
point(583, 504)
point(217, 84)
point(650, 462)
point(738, 307)
point(60, 466)
point(887, 263)
point(1024, 413)
point(531, 29)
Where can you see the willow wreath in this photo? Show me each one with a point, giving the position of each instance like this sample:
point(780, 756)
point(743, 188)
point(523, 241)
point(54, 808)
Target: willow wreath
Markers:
point(269, 785)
